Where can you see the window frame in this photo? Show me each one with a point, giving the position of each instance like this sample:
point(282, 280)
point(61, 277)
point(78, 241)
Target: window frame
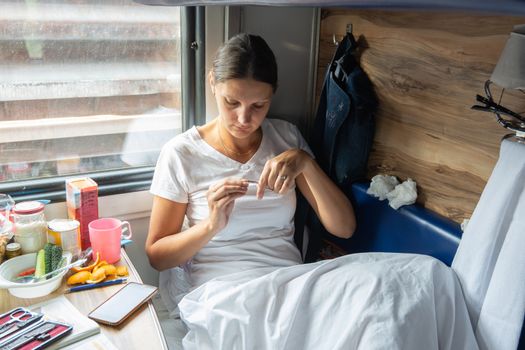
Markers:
point(135, 179)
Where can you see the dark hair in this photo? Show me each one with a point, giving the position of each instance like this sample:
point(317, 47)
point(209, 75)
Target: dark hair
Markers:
point(245, 56)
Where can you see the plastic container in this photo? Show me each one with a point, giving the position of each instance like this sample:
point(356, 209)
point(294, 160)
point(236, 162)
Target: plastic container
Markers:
point(7, 230)
point(6, 233)
point(6, 206)
point(12, 267)
point(30, 226)
point(64, 233)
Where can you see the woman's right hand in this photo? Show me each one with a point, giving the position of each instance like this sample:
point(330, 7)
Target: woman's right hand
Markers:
point(221, 199)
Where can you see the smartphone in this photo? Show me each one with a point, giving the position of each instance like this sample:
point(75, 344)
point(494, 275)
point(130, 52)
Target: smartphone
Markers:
point(123, 303)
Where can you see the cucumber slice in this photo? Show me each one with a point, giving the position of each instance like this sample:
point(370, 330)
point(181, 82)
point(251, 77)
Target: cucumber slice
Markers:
point(40, 268)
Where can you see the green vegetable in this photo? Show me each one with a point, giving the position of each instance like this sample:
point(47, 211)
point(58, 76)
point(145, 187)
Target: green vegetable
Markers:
point(56, 257)
point(40, 268)
point(48, 249)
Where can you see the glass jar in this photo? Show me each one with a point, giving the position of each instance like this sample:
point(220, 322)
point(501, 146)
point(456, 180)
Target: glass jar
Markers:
point(30, 226)
point(12, 250)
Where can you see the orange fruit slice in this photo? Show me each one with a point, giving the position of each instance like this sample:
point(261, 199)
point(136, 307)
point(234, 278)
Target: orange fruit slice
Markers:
point(109, 269)
point(96, 281)
point(96, 275)
point(122, 271)
point(86, 268)
point(79, 277)
point(100, 264)
point(111, 277)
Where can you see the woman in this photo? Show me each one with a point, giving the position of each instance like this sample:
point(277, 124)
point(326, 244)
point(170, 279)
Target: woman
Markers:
point(203, 172)
point(241, 283)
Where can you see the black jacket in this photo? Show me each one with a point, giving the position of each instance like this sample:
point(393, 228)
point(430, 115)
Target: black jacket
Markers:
point(342, 135)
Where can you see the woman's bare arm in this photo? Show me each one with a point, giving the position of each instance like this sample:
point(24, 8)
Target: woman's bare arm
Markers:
point(167, 246)
point(329, 203)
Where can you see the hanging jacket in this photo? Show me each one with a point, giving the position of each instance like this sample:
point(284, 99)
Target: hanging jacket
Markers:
point(342, 134)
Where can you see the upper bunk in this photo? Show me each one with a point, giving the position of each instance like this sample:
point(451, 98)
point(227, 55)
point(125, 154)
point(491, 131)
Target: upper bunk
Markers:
point(512, 7)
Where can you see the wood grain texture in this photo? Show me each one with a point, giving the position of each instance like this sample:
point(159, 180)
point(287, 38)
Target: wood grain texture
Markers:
point(427, 68)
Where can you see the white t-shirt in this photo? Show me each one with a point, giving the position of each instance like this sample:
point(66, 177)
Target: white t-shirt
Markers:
point(259, 233)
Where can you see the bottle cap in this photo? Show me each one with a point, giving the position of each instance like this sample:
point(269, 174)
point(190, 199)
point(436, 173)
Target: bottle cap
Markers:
point(60, 225)
point(11, 247)
point(30, 207)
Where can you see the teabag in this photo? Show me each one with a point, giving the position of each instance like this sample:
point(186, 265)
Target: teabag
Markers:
point(381, 185)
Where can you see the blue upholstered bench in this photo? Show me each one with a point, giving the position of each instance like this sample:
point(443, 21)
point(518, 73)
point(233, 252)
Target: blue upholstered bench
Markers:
point(410, 229)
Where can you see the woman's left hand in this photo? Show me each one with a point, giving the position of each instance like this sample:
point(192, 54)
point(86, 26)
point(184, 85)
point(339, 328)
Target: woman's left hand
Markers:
point(279, 173)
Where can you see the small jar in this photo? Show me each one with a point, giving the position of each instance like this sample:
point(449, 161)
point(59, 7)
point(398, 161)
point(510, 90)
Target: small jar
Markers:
point(64, 233)
point(30, 226)
point(12, 250)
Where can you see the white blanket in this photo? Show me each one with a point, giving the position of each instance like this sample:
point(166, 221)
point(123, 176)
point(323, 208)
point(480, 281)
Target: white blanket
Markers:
point(360, 301)
point(490, 263)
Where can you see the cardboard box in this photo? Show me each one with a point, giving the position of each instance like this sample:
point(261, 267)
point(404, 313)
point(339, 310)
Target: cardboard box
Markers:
point(82, 205)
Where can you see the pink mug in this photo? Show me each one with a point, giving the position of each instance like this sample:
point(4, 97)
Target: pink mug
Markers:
point(105, 235)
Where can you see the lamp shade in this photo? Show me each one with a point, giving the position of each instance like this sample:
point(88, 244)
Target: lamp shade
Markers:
point(510, 70)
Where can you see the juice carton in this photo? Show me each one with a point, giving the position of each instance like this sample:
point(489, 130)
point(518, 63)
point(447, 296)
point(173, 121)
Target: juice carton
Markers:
point(82, 205)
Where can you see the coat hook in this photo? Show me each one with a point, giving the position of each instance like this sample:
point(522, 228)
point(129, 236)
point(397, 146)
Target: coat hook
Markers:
point(348, 31)
point(336, 43)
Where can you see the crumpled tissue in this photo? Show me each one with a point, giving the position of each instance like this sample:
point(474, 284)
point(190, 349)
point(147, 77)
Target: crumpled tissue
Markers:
point(403, 194)
point(381, 185)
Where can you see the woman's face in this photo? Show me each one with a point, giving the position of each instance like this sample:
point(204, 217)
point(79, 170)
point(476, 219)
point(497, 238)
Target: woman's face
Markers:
point(243, 104)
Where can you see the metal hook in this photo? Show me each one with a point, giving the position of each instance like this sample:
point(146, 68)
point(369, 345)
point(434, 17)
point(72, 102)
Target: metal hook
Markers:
point(336, 43)
point(348, 31)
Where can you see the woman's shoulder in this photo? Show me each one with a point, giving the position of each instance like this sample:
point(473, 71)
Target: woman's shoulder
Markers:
point(285, 133)
point(184, 148)
point(282, 127)
point(280, 123)
point(183, 140)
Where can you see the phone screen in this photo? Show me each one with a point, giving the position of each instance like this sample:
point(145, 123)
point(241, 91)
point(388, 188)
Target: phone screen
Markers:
point(123, 303)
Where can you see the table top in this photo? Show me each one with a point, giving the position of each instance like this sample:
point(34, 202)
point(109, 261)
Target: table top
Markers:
point(140, 331)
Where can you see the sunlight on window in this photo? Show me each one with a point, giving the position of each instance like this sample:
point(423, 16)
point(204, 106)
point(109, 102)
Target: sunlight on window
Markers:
point(86, 86)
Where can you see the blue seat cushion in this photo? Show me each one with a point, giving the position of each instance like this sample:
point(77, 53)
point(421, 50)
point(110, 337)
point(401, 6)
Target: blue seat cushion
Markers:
point(410, 229)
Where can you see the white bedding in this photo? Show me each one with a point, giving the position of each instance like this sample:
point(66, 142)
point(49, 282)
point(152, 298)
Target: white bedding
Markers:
point(247, 288)
point(359, 301)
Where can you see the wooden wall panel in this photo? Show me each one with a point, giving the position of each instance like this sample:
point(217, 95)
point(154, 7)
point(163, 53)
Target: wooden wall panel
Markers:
point(427, 68)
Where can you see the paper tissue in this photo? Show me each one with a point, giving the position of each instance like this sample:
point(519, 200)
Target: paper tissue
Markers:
point(403, 194)
point(381, 185)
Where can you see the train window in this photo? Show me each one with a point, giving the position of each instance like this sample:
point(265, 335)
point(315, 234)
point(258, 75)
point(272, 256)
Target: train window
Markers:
point(86, 86)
